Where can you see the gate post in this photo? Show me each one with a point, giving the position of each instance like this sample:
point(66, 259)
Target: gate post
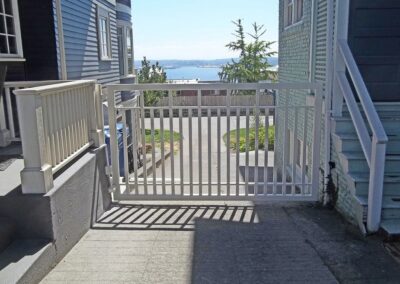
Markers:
point(112, 123)
point(316, 149)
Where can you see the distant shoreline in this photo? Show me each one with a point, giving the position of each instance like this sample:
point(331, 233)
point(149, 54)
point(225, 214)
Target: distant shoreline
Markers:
point(212, 63)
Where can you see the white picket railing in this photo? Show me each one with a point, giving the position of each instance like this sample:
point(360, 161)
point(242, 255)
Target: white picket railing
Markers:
point(57, 123)
point(9, 125)
point(374, 149)
point(196, 164)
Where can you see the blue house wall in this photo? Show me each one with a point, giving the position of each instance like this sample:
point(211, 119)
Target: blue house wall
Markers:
point(81, 41)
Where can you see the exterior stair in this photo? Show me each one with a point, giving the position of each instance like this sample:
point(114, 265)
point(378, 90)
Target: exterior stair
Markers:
point(355, 167)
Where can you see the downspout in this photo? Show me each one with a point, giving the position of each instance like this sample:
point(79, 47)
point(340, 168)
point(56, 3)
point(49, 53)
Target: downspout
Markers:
point(328, 97)
point(61, 46)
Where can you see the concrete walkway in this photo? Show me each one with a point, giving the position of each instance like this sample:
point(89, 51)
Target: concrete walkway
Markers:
point(218, 243)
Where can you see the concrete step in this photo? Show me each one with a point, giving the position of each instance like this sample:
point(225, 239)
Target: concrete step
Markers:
point(7, 230)
point(391, 227)
point(345, 125)
point(348, 142)
point(359, 183)
point(383, 109)
point(390, 206)
point(356, 162)
point(26, 261)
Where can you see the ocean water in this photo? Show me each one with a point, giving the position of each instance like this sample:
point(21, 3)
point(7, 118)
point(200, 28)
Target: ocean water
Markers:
point(187, 73)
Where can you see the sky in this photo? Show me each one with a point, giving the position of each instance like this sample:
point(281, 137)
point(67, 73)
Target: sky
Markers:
point(196, 29)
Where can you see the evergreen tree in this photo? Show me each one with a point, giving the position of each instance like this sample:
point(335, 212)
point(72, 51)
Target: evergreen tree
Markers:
point(151, 73)
point(252, 65)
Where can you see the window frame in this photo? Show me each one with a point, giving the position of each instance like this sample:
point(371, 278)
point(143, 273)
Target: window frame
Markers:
point(291, 12)
point(104, 15)
point(18, 56)
point(125, 58)
point(129, 34)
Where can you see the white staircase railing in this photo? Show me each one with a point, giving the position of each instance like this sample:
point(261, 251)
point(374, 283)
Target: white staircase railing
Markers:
point(9, 125)
point(58, 123)
point(374, 149)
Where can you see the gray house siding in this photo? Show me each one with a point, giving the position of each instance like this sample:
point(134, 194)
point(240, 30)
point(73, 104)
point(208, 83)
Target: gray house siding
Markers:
point(374, 37)
point(81, 42)
point(294, 59)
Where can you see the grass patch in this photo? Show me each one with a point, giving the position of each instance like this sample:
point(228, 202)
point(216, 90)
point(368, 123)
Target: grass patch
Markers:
point(252, 141)
point(167, 136)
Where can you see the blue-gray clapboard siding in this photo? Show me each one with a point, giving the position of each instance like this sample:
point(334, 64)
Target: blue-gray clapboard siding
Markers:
point(374, 37)
point(81, 43)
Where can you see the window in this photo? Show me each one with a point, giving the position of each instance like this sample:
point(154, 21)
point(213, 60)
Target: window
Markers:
point(104, 34)
point(299, 10)
point(125, 50)
point(10, 36)
point(289, 13)
point(294, 10)
point(121, 51)
point(129, 50)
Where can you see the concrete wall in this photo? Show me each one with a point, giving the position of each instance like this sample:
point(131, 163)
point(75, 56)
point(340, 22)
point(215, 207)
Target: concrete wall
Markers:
point(63, 215)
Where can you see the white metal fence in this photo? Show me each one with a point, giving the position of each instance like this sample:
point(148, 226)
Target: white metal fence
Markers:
point(201, 160)
point(57, 123)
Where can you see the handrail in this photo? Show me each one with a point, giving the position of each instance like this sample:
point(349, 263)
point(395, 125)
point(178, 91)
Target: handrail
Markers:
point(356, 116)
point(31, 84)
point(363, 94)
point(58, 122)
point(374, 149)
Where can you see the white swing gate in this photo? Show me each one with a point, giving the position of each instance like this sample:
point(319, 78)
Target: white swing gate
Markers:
point(185, 153)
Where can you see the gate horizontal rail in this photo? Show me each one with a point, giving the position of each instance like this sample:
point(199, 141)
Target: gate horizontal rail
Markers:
point(204, 152)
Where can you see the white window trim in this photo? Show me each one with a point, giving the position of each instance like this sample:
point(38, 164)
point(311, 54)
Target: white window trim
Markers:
point(295, 21)
point(17, 27)
point(125, 29)
point(104, 14)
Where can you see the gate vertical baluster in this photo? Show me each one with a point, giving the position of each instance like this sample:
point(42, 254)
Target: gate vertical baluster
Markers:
point(228, 141)
point(153, 152)
point(304, 163)
point(285, 145)
point(135, 138)
point(294, 150)
point(181, 151)
point(190, 152)
point(171, 142)
point(256, 141)
point(143, 114)
point(266, 143)
point(219, 150)
point(237, 151)
point(125, 152)
point(162, 151)
point(209, 152)
point(199, 117)
point(247, 151)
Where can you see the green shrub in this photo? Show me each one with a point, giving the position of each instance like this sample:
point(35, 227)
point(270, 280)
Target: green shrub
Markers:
point(252, 139)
